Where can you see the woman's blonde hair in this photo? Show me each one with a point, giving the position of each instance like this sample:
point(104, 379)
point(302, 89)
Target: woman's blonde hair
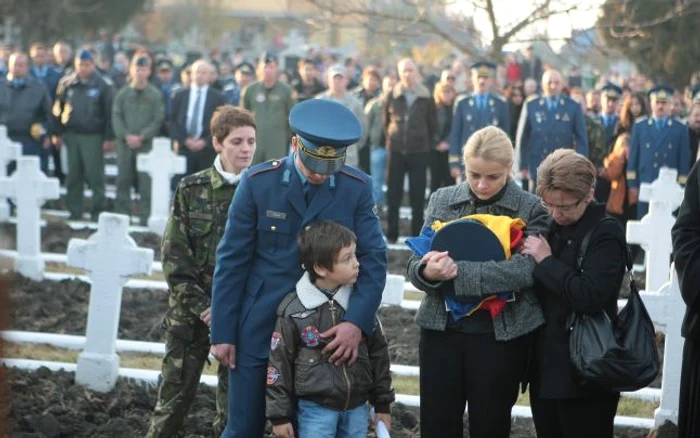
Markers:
point(490, 144)
point(440, 89)
point(568, 171)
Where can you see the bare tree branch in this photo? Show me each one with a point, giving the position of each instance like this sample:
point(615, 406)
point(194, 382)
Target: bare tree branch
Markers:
point(634, 30)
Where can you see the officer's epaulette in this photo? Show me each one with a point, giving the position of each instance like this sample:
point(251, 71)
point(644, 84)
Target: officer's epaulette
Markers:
point(500, 97)
point(679, 120)
point(289, 300)
point(532, 97)
point(641, 119)
point(354, 173)
point(264, 167)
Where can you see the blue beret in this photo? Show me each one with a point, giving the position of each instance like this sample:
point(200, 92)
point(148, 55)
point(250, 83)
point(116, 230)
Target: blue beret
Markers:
point(324, 130)
point(266, 57)
point(85, 55)
point(661, 93)
point(484, 68)
point(612, 91)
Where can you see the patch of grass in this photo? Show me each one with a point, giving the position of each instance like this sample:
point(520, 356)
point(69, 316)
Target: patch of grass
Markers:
point(62, 268)
point(403, 385)
point(413, 295)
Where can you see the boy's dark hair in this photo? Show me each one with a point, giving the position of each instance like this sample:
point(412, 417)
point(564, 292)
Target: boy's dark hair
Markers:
point(226, 118)
point(321, 243)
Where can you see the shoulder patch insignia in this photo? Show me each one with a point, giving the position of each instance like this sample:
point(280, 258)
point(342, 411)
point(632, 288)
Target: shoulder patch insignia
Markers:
point(273, 375)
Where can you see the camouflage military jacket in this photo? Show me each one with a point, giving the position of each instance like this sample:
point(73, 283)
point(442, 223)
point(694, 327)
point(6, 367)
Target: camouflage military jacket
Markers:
point(596, 141)
point(195, 226)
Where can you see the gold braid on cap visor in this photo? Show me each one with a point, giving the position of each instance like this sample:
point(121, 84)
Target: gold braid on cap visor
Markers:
point(323, 152)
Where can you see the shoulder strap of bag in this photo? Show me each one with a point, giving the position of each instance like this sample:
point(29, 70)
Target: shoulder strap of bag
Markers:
point(587, 238)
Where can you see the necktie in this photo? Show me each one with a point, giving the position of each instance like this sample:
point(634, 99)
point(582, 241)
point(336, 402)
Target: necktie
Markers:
point(659, 123)
point(194, 121)
point(552, 103)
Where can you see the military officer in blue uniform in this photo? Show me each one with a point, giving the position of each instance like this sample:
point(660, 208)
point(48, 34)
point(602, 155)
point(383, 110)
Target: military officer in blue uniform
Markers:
point(257, 261)
point(475, 111)
point(549, 122)
point(658, 141)
point(243, 76)
point(609, 118)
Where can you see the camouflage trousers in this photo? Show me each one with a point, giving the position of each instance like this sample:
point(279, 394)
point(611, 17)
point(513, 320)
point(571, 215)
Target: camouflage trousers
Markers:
point(182, 368)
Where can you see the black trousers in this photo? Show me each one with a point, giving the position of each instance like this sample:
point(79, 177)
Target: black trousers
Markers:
point(439, 171)
point(457, 368)
point(584, 417)
point(416, 166)
point(689, 403)
point(363, 156)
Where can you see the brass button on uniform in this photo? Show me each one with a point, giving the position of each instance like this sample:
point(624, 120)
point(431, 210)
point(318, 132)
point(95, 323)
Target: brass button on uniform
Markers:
point(273, 228)
point(307, 227)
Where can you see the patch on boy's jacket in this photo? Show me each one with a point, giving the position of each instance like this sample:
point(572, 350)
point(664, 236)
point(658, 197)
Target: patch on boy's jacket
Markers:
point(273, 375)
point(310, 336)
point(275, 341)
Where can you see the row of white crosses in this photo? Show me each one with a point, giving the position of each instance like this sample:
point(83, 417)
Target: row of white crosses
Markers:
point(160, 163)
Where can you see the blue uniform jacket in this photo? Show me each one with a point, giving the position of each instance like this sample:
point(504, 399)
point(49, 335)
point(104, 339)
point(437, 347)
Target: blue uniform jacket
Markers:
point(257, 260)
point(610, 125)
point(545, 130)
point(654, 147)
point(469, 118)
point(50, 79)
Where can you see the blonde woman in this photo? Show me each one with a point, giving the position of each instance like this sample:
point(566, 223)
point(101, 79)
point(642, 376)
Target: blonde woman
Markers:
point(561, 406)
point(476, 358)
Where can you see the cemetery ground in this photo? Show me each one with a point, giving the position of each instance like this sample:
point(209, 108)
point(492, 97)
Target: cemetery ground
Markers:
point(43, 399)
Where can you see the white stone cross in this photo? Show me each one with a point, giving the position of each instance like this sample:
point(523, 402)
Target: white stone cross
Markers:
point(161, 164)
point(9, 150)
point(110, 256)
point(653, 232)
point(666, 308)
point(29, 188)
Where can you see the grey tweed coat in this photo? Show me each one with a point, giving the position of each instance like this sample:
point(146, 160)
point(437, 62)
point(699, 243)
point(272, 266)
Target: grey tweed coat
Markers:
point(479, 279)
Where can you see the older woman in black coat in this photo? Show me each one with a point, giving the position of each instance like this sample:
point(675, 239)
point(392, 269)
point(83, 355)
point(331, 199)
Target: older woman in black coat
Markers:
point(562, 405)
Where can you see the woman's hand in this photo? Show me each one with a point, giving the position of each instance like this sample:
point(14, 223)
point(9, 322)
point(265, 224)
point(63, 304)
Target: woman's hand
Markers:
point(439, 266)
point(537, 247)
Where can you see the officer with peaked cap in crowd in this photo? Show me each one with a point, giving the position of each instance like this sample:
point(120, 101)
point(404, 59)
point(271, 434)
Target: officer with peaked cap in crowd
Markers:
point(610, 96)
point(658, 141)
point(476, 111)
point(257, 261)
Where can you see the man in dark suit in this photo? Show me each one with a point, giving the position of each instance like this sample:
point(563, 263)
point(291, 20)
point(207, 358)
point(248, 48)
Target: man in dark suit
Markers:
point(532, 65)
point(191, 112)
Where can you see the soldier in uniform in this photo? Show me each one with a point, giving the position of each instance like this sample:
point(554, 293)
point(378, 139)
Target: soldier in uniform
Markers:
point(270, 101)
point(25, 109)
point(83, 111)
point(243, 74)
point(196, 224)
point(609, 119)
point(137, 115)
point(257, 261)
point(657, 141)
point(473, 112)
point(549, 122)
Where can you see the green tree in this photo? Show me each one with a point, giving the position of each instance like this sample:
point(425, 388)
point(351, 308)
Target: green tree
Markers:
point(661, 37)
point(50, 20)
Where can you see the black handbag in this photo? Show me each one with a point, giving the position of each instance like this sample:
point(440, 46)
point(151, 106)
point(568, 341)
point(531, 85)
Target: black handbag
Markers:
point(620, 354)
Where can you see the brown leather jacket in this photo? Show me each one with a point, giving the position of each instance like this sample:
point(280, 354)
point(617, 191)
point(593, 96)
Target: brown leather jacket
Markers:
point(298, 369)
point(615, 164)
point(409, 129)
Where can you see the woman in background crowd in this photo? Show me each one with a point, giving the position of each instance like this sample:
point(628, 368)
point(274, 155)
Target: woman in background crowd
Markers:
point(444, 96)
point(516, 97)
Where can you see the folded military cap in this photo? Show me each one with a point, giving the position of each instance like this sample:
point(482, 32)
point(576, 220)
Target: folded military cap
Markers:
point(246, 68)
point(612, 91)
point(661, 93)
point(324, 130)
point(484, 68)
point(695, 94)
point(85, 55)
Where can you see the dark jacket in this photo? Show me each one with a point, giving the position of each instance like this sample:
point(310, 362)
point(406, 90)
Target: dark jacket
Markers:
point(686, 251)
point(84, 107)
point(303, 92)
point(178, 114)
point(481, 279)
point(298, 369)
point(409, 130)
point(443, 118)
point(562, 289)
point(21, 106)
